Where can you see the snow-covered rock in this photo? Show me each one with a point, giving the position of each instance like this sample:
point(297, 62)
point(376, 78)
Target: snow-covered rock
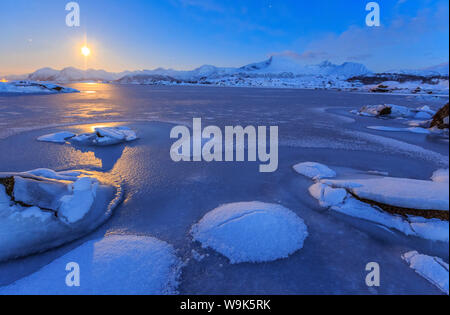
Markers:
point(114, 265)
point(398, 192)
point(59, 137)
point(28, 87)
point(251, 232)
point(341, 195)
point(434, 269)
point(396, 111)
point(314, 170)
point(42, 209)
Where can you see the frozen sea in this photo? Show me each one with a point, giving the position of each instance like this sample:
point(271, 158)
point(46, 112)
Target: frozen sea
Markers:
point(164, 199)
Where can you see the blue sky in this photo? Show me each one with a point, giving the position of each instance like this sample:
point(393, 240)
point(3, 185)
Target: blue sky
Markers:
point(184, 34)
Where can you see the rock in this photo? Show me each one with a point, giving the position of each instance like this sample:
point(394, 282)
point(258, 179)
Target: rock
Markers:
point(440, 120)
point(381, 89)
point(376, 110)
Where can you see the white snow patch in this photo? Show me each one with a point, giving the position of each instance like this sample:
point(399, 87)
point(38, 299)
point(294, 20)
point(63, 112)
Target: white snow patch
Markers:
point(251, 231)
point(314, 170)
point(434, 269)
point(114, 265)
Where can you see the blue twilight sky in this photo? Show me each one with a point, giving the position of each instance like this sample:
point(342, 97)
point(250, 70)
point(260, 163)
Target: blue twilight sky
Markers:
point(184, 34)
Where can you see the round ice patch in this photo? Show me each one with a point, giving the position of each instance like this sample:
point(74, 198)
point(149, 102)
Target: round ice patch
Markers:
point(251, 231)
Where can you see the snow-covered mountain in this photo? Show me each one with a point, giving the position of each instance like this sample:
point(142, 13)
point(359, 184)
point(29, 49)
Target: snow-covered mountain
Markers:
point(276, 65)
point(74, 75)
point(283, 64)
point(437, 70)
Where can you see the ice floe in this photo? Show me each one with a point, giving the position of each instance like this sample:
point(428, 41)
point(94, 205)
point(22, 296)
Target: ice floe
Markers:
point(29, 87)
point(251, 231)
point(59, 137)
point(102, 136)
point(434, 269)
point(42, 209)
point(314, 170)
point(422, 206)
point(114, 265)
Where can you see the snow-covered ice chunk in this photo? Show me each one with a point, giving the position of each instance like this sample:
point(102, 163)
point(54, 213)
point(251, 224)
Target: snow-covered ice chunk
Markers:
point(364, 211)
point(440, 176)
point(104, 136)
point(59, 137)
point(114, 265)
point(74, 207)
point(314, 170)
point(328, 196)
point(38, 212)
point(399, 192)
point(431, 229)
point(434, 269)
point(251, 231)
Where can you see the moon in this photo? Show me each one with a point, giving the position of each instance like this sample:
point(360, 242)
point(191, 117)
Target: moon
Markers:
point(85, 51)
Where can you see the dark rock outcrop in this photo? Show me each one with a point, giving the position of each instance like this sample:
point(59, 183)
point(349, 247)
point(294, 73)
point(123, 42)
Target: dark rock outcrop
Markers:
point(440, 120)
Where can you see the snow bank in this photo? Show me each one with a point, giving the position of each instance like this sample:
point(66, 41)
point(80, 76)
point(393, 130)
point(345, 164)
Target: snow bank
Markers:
point(114, 265)
point(42, 209)
point(434, 269)
point(28, 87)
point(314, 170)
point(102, 136)
point(251, 232)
